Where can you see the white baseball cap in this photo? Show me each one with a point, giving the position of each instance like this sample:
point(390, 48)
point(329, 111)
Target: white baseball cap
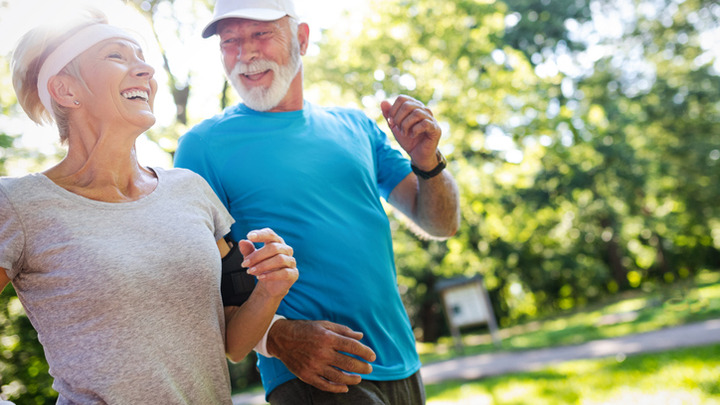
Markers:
point(261, 10)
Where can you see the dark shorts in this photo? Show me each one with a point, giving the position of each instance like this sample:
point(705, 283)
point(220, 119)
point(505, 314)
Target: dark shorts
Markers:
point(409, 391)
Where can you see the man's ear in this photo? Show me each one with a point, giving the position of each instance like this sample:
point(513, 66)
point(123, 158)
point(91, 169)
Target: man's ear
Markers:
point(303, 36)
point(62, 90)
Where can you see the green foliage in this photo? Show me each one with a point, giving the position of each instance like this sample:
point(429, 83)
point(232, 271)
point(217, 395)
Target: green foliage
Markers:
point(6, 142)
point(24, 377)
point(540, 26)
point(244, 374)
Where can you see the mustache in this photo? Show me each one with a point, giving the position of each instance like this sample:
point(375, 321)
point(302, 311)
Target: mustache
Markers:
point(256, 66)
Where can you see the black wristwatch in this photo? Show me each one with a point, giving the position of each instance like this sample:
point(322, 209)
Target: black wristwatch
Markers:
point(442, 163)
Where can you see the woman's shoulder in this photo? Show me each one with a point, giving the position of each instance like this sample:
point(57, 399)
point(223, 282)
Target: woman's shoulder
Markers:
point(31, 190)
point(181, 176)
point(20, 185)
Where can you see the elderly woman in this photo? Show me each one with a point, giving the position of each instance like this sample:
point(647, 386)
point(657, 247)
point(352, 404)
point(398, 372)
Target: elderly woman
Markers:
point(118, 265)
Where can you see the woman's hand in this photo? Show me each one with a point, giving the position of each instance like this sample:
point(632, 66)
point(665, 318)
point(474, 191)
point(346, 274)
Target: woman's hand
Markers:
point(273, 264)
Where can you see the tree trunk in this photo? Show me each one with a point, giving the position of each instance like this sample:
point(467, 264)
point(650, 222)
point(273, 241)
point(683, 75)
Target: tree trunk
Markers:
point(614, 256)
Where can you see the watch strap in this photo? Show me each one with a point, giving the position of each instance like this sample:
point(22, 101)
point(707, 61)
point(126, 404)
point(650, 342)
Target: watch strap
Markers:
point(442, 163)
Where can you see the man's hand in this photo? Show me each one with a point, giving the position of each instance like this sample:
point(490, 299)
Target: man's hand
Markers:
point(315, 352)
point(433, 205)
point(415, 129)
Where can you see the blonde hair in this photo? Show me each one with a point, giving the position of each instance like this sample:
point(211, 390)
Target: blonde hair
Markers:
point(30, 53)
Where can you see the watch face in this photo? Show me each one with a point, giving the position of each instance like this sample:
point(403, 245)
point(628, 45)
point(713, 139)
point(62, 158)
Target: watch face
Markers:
point(441, 158)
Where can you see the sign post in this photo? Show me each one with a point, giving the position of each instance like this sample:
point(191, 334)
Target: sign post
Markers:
point(467, 303)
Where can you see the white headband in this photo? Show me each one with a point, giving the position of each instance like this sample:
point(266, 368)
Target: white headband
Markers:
point(69, 50)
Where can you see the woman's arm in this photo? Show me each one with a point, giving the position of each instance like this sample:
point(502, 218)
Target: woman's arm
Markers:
point(4, 279)
point(276, 271)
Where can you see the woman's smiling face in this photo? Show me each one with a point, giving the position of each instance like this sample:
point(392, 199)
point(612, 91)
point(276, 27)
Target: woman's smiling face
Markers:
point(120, 84)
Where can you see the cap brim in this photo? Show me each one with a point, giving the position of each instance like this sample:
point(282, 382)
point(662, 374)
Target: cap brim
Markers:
point(258, 14)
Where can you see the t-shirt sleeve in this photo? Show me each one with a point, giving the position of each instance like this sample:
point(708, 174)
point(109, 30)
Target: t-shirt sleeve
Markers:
point(390, 164)
point(222, 219)
point(12, 236)
point(194, 154)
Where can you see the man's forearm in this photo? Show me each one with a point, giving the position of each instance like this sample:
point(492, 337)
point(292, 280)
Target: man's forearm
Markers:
point(438, 205)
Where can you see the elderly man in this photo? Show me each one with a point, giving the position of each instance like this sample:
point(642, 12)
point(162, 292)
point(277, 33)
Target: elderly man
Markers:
point(316, 175)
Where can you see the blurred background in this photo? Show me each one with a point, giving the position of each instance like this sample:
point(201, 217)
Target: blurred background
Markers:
point(584, 136)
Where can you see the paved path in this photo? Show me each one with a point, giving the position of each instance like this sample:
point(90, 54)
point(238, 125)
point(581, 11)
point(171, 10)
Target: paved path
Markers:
point(483, 365)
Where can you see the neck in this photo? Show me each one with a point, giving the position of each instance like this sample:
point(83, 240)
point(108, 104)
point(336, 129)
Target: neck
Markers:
point(103, 166)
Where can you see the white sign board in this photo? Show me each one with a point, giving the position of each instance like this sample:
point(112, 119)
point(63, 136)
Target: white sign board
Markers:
point(465, 305)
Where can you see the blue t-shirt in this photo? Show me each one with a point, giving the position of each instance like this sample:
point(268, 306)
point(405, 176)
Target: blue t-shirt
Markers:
point(315, 176)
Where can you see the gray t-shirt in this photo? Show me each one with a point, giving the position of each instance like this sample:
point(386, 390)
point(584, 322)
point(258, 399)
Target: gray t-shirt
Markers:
point(125, 297)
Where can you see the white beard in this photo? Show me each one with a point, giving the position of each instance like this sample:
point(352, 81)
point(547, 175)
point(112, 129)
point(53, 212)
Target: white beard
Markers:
point(266, 98)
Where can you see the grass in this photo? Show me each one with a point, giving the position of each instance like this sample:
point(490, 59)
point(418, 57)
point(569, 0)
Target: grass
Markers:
point(633, 312)
point(684, 376)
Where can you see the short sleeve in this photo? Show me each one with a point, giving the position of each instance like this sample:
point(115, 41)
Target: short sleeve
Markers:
point(12, 237)
point(391, 166)
point(221, 217)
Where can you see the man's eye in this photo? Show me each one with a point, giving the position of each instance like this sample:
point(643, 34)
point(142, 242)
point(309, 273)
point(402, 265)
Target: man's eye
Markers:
point(115, 55)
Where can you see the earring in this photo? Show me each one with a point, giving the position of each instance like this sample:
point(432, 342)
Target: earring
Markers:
point(76, 102)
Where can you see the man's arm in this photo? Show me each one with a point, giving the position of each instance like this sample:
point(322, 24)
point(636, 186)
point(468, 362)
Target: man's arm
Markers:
point(317, 352)
point(433, 203)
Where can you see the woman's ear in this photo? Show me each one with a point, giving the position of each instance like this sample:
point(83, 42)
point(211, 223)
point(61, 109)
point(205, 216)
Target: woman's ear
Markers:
point(62, 90)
